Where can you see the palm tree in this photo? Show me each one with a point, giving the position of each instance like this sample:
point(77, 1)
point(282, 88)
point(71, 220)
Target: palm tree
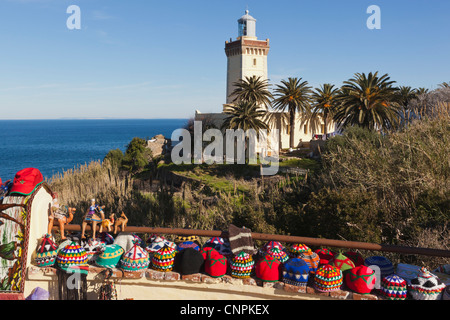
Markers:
point(293, 96)
point(368, 101)
point(444, 85)
point(254, 90)
point(244, 115)
point(324, 101)
point(405, 95)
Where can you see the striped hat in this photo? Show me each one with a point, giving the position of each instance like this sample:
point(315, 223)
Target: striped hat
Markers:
point(242, 265)
point(296, 249)
point(46, 252)
point(328, 278)
point(110, 256)
point(426, 286)
point(278, 254)
point(393, 287)
point(385, 265)
point(72, 256)
point(295, 272)
point(312, 260)
point(163, 259)
point(342, 262)
point(135, 259)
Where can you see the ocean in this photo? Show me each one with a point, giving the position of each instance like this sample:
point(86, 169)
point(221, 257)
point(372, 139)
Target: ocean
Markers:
point(53, 146)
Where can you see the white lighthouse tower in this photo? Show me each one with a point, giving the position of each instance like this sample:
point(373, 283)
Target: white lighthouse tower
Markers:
point(247, 56)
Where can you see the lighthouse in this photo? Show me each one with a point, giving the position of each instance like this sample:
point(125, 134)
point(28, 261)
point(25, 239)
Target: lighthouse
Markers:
point(246, 56)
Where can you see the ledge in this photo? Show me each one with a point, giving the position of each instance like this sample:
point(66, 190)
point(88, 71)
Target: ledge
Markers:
point(191, 282)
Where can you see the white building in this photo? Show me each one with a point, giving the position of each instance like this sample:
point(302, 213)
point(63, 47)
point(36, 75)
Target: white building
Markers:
point(247, 56)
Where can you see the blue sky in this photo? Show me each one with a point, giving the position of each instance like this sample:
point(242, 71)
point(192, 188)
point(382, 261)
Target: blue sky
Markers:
point(164, 59)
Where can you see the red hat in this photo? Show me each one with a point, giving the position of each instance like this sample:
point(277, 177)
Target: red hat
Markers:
point(26, 181)
point(268, 269)
point(360, 279)
point(325, 255)
point(215, 263)
point(355, 257)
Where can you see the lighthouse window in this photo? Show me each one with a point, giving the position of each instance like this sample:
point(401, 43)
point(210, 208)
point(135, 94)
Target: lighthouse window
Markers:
point(254, 62)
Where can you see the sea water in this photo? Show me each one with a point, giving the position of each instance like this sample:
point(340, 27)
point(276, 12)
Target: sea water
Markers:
point(53, 146)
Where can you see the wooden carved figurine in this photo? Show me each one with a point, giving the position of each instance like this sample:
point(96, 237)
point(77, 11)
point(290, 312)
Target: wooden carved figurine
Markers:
point(121, 223)
point(59, 214)
point(94, 215)
point(108, 223)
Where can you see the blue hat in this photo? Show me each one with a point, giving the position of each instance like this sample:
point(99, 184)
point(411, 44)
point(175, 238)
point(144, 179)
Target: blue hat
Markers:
point(296, 272)
point(188, 244)
point(385, 265)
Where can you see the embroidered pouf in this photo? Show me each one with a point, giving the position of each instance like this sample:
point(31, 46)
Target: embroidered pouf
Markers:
point(296, 272)
point(407, 271)
point(385, 265)
point(356, 257)
point(328, 278)
point(110, 256)
point(46, 252)
point(215, 263)
point(426, 286)
point(342, 262)
point(278, 254)
point(297, 248)
point(188, 244)
point(312, 260)
point(268, 269)
point(163, 259)
point(360, 279)
point(188, 261)
point(393, 287)
point(135, 259)
point(325, 255)
point(242, 265)
point(72, 256)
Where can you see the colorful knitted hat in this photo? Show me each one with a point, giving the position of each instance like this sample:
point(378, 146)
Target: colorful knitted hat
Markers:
point(325, 255)
point(297, 248)
point(426, 286)
point(163, 259)
point(268, 268)
point(360, 279)
point(272, 244)
point(312, 260)
point(46, 252)
point(342, 262)
point(356, 257)
point(393, 287)
point(328, 278)
point(110, 256)
point(278, 254)
point(407, 271)
point(296, 272)
point(135, 259)
point(215, 263)
point(106, 238)
point(188, 261)
point(158, 244)
point(242, 265)
point(180, 239)
point(385, 265)
point(73, 257)
point(188, 244)
point(93, 248)
point(220, 244)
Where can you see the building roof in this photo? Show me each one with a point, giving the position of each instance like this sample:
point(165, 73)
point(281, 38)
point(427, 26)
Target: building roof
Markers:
point(246, 17)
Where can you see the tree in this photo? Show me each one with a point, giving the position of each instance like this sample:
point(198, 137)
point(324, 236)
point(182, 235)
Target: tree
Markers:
point(324, 101)
point(293, 96)
point(444, 85)
point(368, 101)
point(115, 157)
point(254, 90)
point(245, 115)
point(137, 156)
